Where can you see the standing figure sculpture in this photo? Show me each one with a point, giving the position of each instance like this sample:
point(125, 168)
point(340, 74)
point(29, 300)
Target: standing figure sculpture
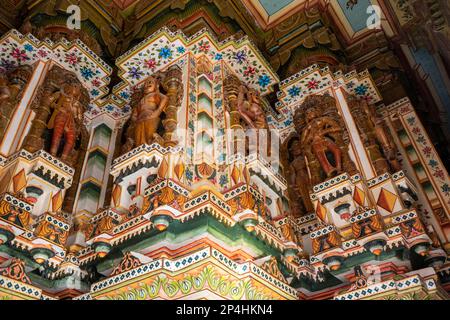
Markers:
point(146, 116)
point(249, 106)
point(299, 181)
point(67, 118)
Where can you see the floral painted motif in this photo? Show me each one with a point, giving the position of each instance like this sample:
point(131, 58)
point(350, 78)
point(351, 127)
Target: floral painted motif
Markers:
point(16, 49)
point(316, 80)
point(424, 146)
point(294, 91)
point(165, 52)
point(165, 47)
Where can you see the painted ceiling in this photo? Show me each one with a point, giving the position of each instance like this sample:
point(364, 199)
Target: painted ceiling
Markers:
point(273, 6)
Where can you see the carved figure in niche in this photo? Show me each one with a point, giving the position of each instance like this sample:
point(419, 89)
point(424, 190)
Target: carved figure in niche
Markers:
point(376, 136)
point(299, 180)
point(146, 116)
point(11, 87)
point(322, 138)
point(67, 118)
point(249, 105)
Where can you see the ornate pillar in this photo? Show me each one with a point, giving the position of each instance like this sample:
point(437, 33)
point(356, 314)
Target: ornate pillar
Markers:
point(356, 141)
point(172, 83)
point(231, 85)
point(41, 107)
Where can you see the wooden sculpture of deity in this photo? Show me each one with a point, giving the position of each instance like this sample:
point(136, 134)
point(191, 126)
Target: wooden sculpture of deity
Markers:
point(316, 134)
point(250, 108)
point(322, 138)
point(67, 118)
point(146, 116)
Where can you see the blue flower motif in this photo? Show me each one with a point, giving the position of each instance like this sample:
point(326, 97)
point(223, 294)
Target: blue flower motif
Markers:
point(445, 188)
point(264, 80)
point(124, 95)
point(223, 180)
point(433, 163)
point(361, 90)
point(165, 52)
point(109, 107)
point(181, 50)
point(240, 56)
point(136, 73)
point(219, 103)
point(218, 56)
point(294, 91)
point(350, 85)
point(95, 92)
point(87, 73)
point(411, 120)
point(28, 47)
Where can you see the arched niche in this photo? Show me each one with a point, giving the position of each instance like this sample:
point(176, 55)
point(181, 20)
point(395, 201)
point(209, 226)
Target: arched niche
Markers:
point(51, 128)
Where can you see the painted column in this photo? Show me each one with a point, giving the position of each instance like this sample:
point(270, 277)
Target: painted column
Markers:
point(231, 85)
point(361, 153)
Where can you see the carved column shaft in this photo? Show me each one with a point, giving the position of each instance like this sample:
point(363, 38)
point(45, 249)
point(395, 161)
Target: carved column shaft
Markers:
point(232, 84)
point(34, 142)
point(173, 85)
